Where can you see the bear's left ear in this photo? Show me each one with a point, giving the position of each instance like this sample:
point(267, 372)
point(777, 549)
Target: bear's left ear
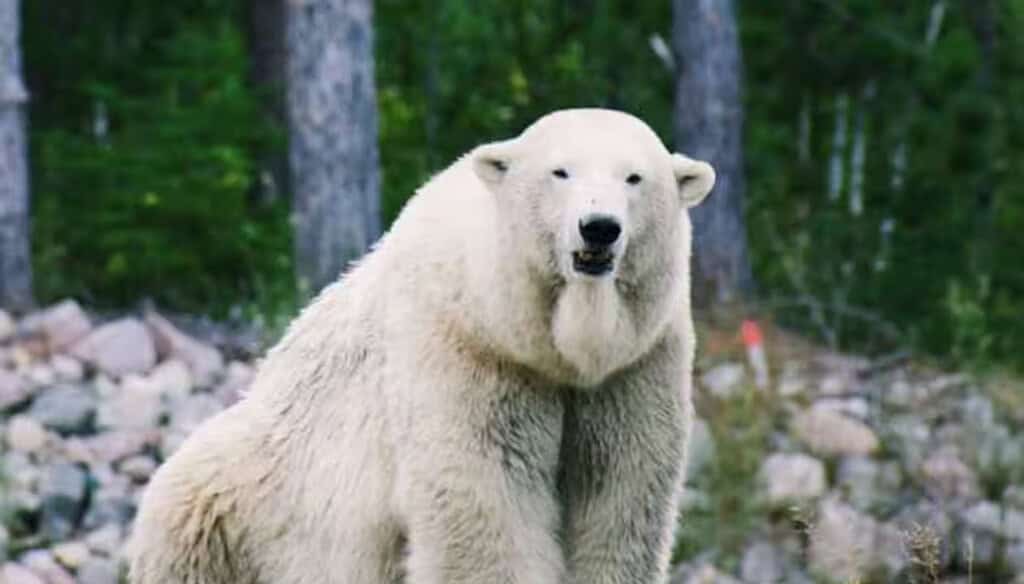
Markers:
point(491, 162)
point(694, 179)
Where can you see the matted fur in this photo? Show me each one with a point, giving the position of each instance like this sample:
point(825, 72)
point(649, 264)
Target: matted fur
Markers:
point(462, 406)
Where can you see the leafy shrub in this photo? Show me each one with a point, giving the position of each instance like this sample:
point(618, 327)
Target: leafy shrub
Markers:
point(153, 195)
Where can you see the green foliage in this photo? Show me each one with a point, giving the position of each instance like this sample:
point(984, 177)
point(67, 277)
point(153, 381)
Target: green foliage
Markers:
point(453, 74)
point(741, 428)
point(147, 192)
point(161, 205)
point(941, 195)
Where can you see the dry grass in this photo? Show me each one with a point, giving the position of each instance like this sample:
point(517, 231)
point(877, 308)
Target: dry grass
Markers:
point(923, 548)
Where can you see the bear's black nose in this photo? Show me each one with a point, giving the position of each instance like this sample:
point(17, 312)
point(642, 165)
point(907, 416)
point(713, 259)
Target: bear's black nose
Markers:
point(600, 230)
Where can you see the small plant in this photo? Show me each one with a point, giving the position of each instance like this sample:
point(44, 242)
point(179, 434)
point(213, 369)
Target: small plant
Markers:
point(972, 330)
point(741, 427)
point(923, 549)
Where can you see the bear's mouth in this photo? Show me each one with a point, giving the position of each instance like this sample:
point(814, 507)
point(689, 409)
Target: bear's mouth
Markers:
point(593, 262)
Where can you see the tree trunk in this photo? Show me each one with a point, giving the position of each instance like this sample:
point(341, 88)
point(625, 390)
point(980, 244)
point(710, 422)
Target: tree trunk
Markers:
point(332, 115)
point(15, 264)
point(709, 126)
point(266, 37)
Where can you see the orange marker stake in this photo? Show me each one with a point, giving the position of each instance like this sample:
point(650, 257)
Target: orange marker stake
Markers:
point(754, 342)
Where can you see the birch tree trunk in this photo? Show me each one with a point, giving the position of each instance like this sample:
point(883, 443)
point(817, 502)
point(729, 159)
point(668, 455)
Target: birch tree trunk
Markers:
point(15, 265)
point(332, 116)
point(709, 126)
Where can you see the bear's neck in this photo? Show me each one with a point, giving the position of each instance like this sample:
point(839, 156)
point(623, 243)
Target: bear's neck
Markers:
point(575, 332)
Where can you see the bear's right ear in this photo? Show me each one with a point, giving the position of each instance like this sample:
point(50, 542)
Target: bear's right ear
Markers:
point(491, 162)
point(694, 178)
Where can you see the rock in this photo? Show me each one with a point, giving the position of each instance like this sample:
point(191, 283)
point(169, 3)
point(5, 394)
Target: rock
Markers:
point(5, 541)
point(792, 380)
point(71, 554)
point(946, 476)
point(930, 515)
point(189, 413)
point(236, 382)
point(25, 434)
point(171, 441)
point(63, 324)
point(204, 361)
point(21, 355)
point(791, 477)
point(14, 390)
point(854, 407)
point(834, 384)
point(134, 407)
point(889, 554)
point(106, 540)
point(723, 381)
point(7, 326)
point(857, 479)
point(984, 516)
point(67, 369)
point(1013, 524)
point(66, 409)
point(844, 364)
point(21, 483)
point(762, 563)
point(111, 503)
point(185, 417)
point(110, 447)
point(829, 433)
point(945, 383)
point(118, 348)
point(900, 394)
point(702, 447)
point(138, 468)
point(41, 375)
point(105, 387)
point(43, 564)
point(978, 411)
point(1014, 496)
point(910, 437)
point(1015, 559)
point(99, 571)
point(702, 574)
point(18, 574)
point(992, 449)
point(841, 542)
point(866, 483)
point(172, 379)
point(981, 548)
point(63, 499)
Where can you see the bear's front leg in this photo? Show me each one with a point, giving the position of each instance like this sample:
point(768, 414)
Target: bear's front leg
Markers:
point(622, 466)
point(477, 486)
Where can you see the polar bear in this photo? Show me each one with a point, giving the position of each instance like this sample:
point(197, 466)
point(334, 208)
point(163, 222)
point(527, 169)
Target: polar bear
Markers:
point(499, 392)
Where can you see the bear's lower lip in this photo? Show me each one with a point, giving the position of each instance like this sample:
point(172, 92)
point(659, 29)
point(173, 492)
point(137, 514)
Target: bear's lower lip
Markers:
point(592, 263)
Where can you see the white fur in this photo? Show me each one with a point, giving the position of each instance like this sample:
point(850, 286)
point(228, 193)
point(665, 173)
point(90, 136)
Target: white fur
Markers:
point(429, 418)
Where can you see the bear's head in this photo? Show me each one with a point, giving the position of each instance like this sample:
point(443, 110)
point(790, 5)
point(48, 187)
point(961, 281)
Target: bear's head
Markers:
point(594, 187)
point(592, 200)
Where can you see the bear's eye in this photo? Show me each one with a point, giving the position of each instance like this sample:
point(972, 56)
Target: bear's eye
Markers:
point(634, 179)
point(560, 173)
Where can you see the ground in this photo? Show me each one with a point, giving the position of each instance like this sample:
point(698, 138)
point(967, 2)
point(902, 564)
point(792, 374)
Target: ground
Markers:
point(929, 478)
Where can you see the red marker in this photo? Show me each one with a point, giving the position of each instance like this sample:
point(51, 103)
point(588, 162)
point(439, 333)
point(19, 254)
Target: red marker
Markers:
point(754, 342)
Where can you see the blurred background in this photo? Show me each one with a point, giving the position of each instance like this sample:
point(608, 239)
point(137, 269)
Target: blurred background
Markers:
point(180, 177)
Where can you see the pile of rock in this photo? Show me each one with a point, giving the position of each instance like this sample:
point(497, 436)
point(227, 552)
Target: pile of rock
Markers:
point(87, 412)
point(875, 464)
point(866, 471)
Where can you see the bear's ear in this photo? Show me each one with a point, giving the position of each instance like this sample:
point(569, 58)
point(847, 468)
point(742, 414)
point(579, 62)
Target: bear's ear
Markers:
point(694, 179)
point(491, 162)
